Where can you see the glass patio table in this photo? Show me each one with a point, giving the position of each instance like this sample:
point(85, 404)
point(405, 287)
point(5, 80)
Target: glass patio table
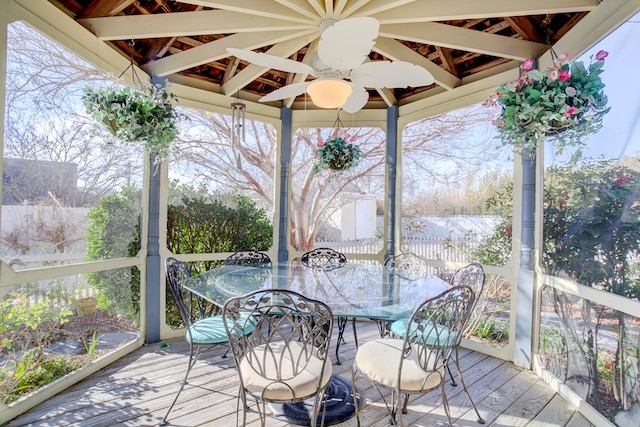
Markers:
point(355, 290)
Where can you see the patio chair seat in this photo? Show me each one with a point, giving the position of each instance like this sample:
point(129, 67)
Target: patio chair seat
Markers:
point(292, 385)
point(285, 359)
point(211, 330)
point(440, 335)
point(380, 359)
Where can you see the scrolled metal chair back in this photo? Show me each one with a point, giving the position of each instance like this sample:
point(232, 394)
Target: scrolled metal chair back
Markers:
point(189, 306)
point(436, 327)
point(408, 266)
point(324, 259)
point(471, 275)
point(248, 257)
point(285, 323)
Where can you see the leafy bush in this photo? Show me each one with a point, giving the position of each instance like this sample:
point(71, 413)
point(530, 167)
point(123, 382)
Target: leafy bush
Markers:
point(199, 223)
point(113, 225)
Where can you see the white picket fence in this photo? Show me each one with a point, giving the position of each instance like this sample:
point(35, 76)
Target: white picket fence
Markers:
point(430, 249)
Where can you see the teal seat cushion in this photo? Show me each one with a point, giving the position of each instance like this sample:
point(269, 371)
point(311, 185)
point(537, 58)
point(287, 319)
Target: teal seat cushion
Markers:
point(211, 330)
point(435, 334)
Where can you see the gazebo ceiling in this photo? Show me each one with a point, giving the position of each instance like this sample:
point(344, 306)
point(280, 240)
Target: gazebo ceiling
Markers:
point(456, 41)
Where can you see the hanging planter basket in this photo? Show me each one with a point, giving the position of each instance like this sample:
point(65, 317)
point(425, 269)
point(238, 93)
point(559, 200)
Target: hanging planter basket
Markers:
point(337, 154)
point(563, 104)
point(140, 115)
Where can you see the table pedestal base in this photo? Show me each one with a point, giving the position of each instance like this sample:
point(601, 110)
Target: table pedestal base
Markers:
point(340, 405)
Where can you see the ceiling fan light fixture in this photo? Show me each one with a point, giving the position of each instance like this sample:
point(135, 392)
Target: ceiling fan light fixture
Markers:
point(329, 93)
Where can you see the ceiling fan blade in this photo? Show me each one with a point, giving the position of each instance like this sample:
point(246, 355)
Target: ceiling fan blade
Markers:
point(347, 43)
point(271, 61)
point(387, 74)
point(287, 91)
point(356, 100)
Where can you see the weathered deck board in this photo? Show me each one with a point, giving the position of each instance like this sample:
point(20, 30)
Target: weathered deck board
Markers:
point(138, 389)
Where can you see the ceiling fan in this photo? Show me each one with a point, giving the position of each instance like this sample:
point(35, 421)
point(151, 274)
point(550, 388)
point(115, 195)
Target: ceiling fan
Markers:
point(339, 67)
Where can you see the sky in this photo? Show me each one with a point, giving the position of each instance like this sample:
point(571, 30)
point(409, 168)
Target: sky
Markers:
point(621, 132)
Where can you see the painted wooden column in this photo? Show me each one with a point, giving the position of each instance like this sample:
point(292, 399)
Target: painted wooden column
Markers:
point(153, 268)
point(525, 283)
point(153, 265)
point(283, 200)
point(392, 163)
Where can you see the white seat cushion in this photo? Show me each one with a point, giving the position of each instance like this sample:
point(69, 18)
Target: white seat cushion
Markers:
point(289, 386)
point(379, 360)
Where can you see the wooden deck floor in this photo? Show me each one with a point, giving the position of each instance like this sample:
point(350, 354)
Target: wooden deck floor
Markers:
point(137, 390)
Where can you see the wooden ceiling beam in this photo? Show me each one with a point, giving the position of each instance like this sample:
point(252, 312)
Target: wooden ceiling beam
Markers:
point(339, 6)
point(217, 49)
point(161, 46)
point(300, 6)
point(302, 77)
point(253, 71)
point(447, 60)
point(255, 8)
point(105, 8)
point(452, 37)
point(184, 24)
point(525, 29)
point(397, 51)
point(373, 7)
point(230, 70)
point(448, 10)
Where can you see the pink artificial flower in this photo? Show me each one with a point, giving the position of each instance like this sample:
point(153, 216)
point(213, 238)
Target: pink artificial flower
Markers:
point(528, 64)
point(320, 143)
point(16, 301)
point(561, 60)
point(491, 102)
point(502, 125)
point(564, 75)
point(553, 75)
point(570, 111)
point(601, 55)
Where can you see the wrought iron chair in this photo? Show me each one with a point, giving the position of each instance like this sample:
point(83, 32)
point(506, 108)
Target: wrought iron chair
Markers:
point(202, 329)
point(471, 275)
point(324, 259)
point(415, 364)
point(285, 359)
point(408, 265)
point(248, 257)
point(328, 259)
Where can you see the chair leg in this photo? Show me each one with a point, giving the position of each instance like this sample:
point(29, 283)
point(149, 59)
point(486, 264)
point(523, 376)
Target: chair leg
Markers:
point(453, 382)
point(342, 324)
point(405, 405)
point(356, 404)
point(445, 402)
point(355, 333)
point(464, 387)
point(193, 356)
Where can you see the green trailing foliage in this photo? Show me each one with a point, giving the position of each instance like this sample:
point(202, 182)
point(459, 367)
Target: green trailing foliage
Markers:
point(139, 115)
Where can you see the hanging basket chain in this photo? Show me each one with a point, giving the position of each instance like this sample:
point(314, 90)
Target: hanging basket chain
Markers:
point(134, 76)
